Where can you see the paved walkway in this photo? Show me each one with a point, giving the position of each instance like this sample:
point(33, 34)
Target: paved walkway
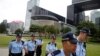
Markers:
point(3, 51)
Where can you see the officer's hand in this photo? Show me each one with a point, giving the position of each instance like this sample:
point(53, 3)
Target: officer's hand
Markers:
point(26, 52)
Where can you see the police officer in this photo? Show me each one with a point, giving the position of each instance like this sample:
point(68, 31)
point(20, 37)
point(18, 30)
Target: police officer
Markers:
point(30, 46)
point(16, 46)
point(39, 43)
point(81, 45)
point(51, 46)
point(69, 46)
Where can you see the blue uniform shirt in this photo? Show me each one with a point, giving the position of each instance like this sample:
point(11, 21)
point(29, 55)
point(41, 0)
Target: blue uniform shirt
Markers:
point(51, 47)
point(15, 47)
point(80, 50)
point(39, 42)
point(30, 45)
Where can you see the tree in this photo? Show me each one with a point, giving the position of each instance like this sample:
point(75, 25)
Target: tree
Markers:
point(87, 24)
point(65, 30)
point(47, 30)
point(2, 28)
point(96, 37)
point(34, 28)
point(52, 30)
point(94, 30)
point(18, 31)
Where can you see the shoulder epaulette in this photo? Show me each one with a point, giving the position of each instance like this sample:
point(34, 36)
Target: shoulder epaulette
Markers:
point(22, 42)
point(49, 42)
point(84, 45)
point(55, 44)
point(73, 54)
point(55, 52)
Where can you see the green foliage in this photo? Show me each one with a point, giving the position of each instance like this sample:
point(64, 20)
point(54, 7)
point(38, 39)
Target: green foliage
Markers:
point(95, 31)
point(50, 29)
point(2, 28)
point(65, 29)
point(18, 31)
point(34, 28)
point(96, 37)
point(89, 25)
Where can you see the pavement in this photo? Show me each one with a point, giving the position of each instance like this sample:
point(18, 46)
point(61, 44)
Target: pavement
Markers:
point(3, 51)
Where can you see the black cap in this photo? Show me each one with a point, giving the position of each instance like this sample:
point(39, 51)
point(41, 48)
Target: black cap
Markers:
point(18, 35)
point(70, 37)
point(32, 35)
point(85, 30)
point(53, 36)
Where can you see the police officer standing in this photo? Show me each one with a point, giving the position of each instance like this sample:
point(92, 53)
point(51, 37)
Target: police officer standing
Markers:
point(16, 46)
point(51, 46)
point(69, 46)
point(81, 45)
point(30, 46)
point(39, 43)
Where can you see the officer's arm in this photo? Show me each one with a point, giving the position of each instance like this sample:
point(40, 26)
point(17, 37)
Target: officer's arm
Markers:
point(56, 48)
point(77, 50)
point(84, 52)
point(41, 43)
point(25, 47)
point(9, 49)
point(47, 48)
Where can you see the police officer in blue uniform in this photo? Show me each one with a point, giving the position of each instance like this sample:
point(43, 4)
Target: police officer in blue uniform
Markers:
point(81, 45)
point(39, 43)
point(30, 46)
point(16, 46)
point(69, 45)
point(51, 46)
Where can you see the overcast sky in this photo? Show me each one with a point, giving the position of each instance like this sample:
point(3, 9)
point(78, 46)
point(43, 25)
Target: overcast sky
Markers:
point(16, 9)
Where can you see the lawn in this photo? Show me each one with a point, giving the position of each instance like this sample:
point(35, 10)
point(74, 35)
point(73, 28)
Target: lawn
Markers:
point(93, 49)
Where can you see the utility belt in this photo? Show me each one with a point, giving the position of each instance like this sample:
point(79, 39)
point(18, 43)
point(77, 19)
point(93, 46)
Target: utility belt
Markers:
point(15, 54)
point(29, 53)
point(39, 46)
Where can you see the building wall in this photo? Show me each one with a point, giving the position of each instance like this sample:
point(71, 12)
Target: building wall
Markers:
point(30, 5)
point(13, 26)
point(95, 14)
point(33, 10)
point(97, 21)
point(87, 18)
point(78, 1)
point(44, 22)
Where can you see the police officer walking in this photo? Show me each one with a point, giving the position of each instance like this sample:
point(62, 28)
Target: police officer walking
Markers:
point(51, 46)
point(39, 43)
point(69, 46)
point(30, 46)
point(81, 45)
point(16, 46)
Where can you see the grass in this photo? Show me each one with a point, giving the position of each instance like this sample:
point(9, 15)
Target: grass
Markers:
point(4, 40)
point(93, 49)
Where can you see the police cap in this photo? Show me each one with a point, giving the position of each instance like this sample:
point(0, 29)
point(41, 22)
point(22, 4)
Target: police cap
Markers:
point(85, 30)
point(70, 37)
